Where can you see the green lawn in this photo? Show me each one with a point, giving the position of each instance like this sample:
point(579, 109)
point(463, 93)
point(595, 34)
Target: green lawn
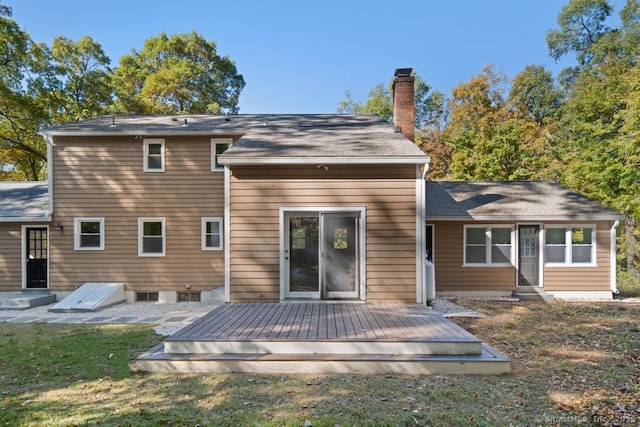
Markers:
point(573, 364)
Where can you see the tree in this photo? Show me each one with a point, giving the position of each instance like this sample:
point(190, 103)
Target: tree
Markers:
point(75, 80)
point(22, 151)
point(489, 138)
point(178, 74)
point(581, 26)
point(599, 130)
point(534, 95)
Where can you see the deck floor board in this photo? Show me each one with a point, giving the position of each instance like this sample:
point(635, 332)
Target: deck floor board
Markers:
point(319, 321)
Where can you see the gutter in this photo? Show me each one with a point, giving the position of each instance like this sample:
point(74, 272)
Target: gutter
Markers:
point(613, 263)
point(23, 219)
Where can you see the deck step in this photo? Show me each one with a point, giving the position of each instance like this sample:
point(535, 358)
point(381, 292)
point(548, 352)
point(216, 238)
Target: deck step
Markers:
point(488, 362)
point(440, 346)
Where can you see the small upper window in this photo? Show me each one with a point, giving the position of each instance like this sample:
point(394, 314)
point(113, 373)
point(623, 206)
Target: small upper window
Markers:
point(153, 155)
point(88, 234)
point(218, 146)
point(151, 237)
point(211, 234)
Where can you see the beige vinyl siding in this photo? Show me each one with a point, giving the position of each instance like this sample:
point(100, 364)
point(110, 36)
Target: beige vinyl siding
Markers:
point(103, 177)
point(449, 270)
point(10, 257)
point(588, 278)
point(452, 276)
point(257, 193)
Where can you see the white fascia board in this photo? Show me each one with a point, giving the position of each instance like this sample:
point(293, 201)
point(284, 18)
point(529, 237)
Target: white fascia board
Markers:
point(525, 218)
point(141, 132)
point(26, 219)
point(249, 161)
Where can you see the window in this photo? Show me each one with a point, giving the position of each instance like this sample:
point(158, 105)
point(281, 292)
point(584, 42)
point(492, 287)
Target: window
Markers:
point(153, 155)
point(151, 237)
point(569, 245)
point(88, 234)
point(218, 146)
point(486, 245)
point(211, 234)
point(341, 238)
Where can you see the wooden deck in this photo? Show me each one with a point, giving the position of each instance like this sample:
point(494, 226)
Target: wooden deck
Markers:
point(329, 337)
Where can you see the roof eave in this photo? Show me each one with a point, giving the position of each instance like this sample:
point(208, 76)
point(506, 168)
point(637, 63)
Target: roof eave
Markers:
point(246, 161)
point(527, 218)
point(26, 219)
point(141, 132)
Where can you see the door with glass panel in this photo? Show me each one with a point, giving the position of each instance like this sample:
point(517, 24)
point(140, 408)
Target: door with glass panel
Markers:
point(321, 255)
point(36, 257)
point(529, 259)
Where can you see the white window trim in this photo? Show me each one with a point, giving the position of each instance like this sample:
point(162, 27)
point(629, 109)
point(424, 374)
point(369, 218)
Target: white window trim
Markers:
point(141, 222)
point(569, 246)
point(145, 151)
point(77, 233)
point(487, 230)
point(204, 222)
point(214, 143)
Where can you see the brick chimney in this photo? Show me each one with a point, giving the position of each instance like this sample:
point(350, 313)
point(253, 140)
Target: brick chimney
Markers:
point(403, 102)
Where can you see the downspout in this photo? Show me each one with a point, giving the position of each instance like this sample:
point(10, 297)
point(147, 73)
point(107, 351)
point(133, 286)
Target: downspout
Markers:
point(49, 141)
point(613, 263)
point(227, 234)
point(421, 292)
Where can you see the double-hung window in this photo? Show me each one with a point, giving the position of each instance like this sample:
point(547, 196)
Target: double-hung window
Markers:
point(211, 234)
point(570, 245)
point(154, 158)
point(151, 237)
point(218, 147)
point(88, 234)
point(488, 245)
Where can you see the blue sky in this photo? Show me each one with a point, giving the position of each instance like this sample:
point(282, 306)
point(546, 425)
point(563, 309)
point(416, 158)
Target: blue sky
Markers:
point(301, 56)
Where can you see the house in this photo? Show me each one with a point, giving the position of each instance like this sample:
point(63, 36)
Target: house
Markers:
point(499, 238)
point(267, 208)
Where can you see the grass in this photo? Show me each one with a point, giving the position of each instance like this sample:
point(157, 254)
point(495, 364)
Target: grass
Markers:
point(573, 364)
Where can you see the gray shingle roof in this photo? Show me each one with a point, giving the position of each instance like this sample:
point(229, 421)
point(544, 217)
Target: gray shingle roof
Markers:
point(276, 137)
point(515, 200)
point(24, 200)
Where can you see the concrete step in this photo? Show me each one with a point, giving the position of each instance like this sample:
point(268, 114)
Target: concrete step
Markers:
point(532, 294)
point(488, 362)
point(26, 300)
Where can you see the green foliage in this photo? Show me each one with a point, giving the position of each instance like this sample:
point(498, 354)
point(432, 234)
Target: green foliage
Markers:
point(177, 74)
point(581, 25)
point(71, 80)
point(494, 136)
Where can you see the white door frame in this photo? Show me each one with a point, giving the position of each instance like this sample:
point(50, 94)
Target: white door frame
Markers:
point(540, 253)
point(286, 212)
point(23, 254)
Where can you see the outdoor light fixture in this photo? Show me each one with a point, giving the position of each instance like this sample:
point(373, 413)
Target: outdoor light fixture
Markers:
point(59, 226)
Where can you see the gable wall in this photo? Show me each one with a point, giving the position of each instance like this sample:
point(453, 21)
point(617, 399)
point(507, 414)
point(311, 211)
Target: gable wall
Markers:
point(103, 177)
point(387, 192)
